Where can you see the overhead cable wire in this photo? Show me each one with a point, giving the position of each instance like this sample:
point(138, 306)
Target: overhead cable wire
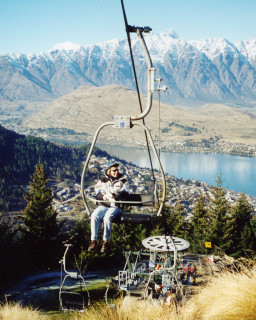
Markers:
point(13, 179)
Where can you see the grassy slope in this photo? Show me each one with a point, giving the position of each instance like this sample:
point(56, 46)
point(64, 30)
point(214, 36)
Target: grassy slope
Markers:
point(85, 109)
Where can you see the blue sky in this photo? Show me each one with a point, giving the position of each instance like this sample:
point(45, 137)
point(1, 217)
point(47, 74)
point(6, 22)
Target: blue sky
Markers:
point(31, 26)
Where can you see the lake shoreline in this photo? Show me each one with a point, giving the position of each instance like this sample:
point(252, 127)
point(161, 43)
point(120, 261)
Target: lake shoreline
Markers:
point(180, 146)
point(237, 169)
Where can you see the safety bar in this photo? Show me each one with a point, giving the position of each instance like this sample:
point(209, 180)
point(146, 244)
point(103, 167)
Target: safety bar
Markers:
point(122, 201)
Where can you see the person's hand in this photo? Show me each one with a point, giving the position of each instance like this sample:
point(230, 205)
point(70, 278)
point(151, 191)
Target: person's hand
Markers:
point(108, 196)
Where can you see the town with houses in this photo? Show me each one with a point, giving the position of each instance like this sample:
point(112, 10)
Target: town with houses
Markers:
point(173, 145)
point(185, 145)
point(184, 192)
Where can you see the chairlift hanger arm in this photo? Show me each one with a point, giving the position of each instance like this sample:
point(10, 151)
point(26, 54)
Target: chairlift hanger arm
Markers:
point(163, 198)
point(151, 80)
point(87, 162)
point(139, 31)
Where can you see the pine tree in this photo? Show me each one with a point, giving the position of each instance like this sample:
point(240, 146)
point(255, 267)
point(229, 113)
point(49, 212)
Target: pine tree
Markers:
point(241, 230)
point(177, 222)
point(40, 219)
point(126, 237)
point(219, 214)
point(200, 225)
point(161, 225)
point(253, 224)
point(6, 248)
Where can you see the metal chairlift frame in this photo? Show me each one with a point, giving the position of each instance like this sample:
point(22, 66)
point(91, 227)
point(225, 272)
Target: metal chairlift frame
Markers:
point(128, 122)
point(75, 276)
point(144, 269)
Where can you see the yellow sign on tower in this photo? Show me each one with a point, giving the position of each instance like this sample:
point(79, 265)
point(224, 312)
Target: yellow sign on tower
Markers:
point(208, 244)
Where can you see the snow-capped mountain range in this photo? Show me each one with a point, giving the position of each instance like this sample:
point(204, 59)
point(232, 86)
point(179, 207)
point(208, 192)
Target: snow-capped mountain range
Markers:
point(195, 72)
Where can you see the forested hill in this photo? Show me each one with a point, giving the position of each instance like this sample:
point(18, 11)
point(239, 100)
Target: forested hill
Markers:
point(19, 155)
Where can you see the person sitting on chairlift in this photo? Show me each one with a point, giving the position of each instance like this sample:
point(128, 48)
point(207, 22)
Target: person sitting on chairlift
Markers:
point(112, 187)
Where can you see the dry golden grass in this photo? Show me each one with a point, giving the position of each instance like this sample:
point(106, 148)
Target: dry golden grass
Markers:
point(16, 312)
point(230, 296)
point(77, 111)
point(130, 309)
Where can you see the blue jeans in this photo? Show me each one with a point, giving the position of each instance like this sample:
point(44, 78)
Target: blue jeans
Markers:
point(107, 214)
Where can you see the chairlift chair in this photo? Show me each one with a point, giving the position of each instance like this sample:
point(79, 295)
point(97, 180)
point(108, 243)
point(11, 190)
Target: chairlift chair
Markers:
point(154, 272)
point(71, 300)
point(127, 123)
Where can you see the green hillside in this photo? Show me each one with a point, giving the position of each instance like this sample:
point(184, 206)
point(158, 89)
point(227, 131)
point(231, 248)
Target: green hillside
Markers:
point(20, 154)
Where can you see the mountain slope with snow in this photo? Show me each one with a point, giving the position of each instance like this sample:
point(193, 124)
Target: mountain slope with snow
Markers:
point(195, 72)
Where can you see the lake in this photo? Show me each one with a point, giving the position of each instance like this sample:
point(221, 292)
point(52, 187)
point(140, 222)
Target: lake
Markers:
point(238, 173)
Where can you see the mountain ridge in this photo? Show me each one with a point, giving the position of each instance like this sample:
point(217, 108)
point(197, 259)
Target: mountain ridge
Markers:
point(195, 72)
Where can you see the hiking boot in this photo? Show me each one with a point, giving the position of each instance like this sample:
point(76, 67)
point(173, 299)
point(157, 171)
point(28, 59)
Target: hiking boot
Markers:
point(105, 247)
point(92, 246)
